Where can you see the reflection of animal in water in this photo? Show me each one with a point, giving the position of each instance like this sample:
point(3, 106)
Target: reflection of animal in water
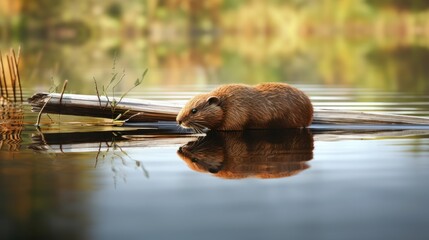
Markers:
point(261, 154)
point(239, 107)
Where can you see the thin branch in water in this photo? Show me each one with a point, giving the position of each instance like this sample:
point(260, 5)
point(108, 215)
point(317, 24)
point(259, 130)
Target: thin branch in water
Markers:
point(136, 83)
point(118, 122)
point(114, 87)
point(41, 111)
point(114, 73)
point(98, 154)
point(145, 172)
point(98, 93)
point(49, 116)
point(107, 97)
point(42, 136)
point(134, 115)
point(63, 90)
point(61, 98)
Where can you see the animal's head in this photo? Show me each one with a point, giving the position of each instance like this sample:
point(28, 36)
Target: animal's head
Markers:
point(201, 113)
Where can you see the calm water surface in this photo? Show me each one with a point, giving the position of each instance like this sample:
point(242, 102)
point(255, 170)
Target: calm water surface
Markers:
point(105, 183)
point(78, 178)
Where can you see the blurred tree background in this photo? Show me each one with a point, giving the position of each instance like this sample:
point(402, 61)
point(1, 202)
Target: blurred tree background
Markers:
point(380, 44)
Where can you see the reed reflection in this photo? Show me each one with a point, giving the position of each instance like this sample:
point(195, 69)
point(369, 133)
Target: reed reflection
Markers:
point(109, 148)
point(11, 125)
point(259, 154)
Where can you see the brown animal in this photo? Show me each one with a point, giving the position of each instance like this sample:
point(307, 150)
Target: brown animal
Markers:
point(239, 107)
point(244, 154)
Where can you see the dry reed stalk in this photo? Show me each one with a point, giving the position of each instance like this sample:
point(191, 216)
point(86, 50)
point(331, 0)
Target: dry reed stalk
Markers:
point(96, 91)
point(12, 76)
point(1, 81)
point(16, 61)
point(3, 75)
point(63, 90)
point(61, 97)
point(13, 79)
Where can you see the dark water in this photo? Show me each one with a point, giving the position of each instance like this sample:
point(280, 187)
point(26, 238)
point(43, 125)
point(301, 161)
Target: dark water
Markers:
point(72, 181)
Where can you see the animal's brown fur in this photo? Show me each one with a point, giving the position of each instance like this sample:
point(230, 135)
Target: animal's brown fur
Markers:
point(261, 154)
point(239, 107)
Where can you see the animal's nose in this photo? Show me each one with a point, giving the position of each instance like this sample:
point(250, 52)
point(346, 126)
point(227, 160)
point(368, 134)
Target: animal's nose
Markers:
point(180, 122)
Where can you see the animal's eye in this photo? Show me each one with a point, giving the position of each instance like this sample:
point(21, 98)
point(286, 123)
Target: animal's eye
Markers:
point(194, 110)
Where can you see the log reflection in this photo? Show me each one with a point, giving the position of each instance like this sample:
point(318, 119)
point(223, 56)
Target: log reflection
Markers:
point(260, 154)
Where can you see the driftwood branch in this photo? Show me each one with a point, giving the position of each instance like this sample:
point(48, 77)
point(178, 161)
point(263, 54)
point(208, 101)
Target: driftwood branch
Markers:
point(142, 111)
point(89, 105)
point(325, 116)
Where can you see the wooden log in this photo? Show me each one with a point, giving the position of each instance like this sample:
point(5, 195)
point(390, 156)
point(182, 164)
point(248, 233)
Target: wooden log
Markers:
point(326, 116)
point(134, 110)
point(144, 111)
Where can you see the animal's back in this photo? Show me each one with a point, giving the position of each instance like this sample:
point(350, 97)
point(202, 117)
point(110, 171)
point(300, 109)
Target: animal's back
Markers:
point(289, 106)
point(267, 105)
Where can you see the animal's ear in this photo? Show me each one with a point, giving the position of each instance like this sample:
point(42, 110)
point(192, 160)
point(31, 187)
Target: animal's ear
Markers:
point(213, 100)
